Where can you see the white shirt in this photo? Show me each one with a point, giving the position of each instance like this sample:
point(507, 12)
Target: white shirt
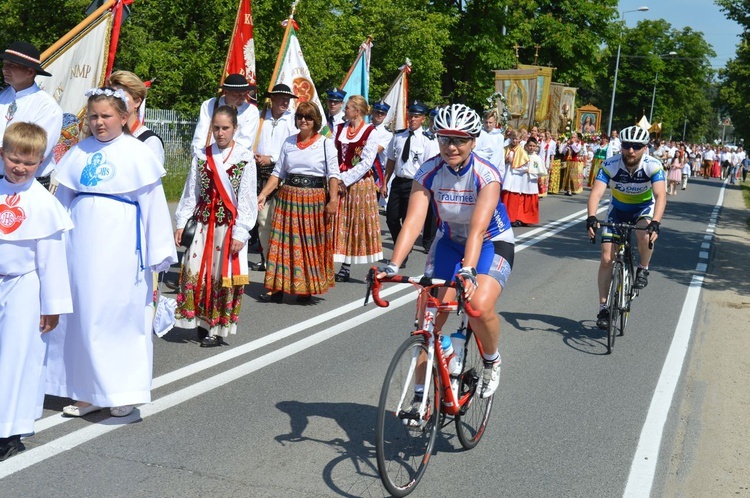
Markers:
point(337, 119)
point(616, 145)
point(273, 133)
point(318, 159)
point(489, 146)
point(153, 142)
point(247, 121)
point(419, 148)
point(383, 138)
point(33, 105)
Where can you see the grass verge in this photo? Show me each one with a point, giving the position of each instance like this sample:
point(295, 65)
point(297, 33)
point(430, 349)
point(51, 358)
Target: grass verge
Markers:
point(745, 186)
point(173, 184)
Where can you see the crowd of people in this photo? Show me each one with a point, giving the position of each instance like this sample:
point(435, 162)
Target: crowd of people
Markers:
point(454, 180)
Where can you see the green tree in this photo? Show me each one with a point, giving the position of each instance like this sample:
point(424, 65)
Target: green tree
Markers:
point(569, 36)
point(684, 79)
point(735, 78)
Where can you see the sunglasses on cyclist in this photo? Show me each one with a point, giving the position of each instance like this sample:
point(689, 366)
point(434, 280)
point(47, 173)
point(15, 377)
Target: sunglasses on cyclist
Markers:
point(632, 145)
point(457, 141)
point(306, 117)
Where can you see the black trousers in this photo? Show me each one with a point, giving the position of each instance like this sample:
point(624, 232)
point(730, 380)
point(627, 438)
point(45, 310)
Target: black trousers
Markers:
point(395, 211)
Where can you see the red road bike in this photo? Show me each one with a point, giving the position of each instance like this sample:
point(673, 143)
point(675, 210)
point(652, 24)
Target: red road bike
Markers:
point(407, 424)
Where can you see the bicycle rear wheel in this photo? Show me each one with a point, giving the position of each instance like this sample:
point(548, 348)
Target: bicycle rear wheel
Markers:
point(613, 303)
point(475, 412)
point(404, 441)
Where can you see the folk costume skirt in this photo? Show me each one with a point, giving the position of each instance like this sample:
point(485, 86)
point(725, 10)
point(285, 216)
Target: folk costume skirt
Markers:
point(300, 251)
point(553, 186)
point(206, 302)
point(358, 225)
point(573, 178)
point(543, 182)
point(595, 165)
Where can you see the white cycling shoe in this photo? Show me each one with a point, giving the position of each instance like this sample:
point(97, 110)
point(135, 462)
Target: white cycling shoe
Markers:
point(490, 379)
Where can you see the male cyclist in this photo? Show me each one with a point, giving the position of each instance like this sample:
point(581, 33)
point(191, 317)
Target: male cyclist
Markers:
point(638, 196)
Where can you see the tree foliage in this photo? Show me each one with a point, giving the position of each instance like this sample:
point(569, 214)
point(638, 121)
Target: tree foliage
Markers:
point(454, 45)
point(735, 78)
point(684, 79)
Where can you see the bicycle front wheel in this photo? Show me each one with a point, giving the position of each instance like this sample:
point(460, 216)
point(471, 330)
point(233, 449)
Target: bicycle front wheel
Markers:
point(405, 431)
point(613, 302)
point(626, 298)
point(475, 411)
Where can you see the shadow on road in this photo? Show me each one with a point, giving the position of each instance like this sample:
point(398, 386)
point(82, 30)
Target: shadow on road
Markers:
point(354, 472)
point(581, 336)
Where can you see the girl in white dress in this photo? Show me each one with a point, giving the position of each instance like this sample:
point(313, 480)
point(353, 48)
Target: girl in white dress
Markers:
point(220, 191)
point(111, 184)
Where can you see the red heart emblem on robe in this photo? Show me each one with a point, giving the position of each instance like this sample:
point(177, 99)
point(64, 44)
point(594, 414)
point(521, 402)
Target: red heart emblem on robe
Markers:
point(11, 216)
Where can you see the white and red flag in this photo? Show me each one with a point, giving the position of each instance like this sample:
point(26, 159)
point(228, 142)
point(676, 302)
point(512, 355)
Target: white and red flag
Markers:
point(241, 54)
point(397, 97)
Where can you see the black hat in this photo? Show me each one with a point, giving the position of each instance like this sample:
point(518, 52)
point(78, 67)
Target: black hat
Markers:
point(235, 83)
point(24, 54)
point(282, 89)
point(336, 95)
point(417, 107)
point(381, 106)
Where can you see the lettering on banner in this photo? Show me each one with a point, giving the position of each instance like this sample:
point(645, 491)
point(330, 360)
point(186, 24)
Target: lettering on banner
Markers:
point(80, 71)
point(249, 19)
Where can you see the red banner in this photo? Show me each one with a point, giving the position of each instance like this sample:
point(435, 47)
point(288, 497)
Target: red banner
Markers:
point(241, 56)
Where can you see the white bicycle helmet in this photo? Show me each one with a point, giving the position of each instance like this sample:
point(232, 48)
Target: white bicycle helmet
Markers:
point(458, 120)
point(634, 134)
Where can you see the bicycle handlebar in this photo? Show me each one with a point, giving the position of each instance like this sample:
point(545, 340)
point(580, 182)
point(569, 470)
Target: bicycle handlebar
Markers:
point(374, 284)
point(623, 226)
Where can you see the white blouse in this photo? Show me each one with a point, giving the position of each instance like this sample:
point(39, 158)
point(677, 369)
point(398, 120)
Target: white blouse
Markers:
point(318, 159)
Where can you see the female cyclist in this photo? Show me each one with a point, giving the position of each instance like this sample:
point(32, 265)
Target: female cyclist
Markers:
point(475, 240)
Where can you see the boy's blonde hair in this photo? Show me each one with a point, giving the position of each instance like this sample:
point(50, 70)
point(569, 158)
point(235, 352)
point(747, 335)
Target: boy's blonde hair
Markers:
point(25, 138)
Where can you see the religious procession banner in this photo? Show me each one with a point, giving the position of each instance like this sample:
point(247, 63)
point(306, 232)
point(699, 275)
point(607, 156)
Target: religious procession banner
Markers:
point(292, 70)
point(543, 82)
point(520, 89)
point(357, 80)
point(241, 53)
point(80, 63)
point(397, 97)
point(555, 98)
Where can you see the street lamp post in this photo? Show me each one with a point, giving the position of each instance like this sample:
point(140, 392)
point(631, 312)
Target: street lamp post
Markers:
point(653, 95)
point(617, 68)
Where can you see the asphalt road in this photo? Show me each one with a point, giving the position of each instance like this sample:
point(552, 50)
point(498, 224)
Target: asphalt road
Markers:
point(289, 407)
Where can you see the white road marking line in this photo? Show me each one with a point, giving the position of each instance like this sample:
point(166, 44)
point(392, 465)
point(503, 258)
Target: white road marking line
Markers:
point(74, 439)
point(642, 470)
point(81, 436)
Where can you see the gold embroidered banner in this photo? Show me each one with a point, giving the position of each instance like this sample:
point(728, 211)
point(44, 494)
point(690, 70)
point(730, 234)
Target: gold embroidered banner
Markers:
point(543, 82)
point(520, 89)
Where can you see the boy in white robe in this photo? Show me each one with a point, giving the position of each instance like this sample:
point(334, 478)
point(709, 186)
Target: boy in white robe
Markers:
point(34, 286)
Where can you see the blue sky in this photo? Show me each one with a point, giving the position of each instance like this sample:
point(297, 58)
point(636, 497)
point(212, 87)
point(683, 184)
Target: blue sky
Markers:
point(700, 15)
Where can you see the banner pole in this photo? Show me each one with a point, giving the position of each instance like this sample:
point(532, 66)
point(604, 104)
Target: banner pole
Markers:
point(76, 30)
point(368, 41)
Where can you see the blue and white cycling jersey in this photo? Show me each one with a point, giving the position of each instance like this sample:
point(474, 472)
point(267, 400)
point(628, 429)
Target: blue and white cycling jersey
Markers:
point(454, 195)
point(631, 192)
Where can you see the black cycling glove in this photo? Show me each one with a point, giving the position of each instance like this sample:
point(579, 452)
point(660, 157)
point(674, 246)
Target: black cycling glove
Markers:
point(591, 222)
point(653, 226)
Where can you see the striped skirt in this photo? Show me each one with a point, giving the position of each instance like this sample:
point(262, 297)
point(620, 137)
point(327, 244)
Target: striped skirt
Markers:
point(553, 185)
point(300, 250)
point(358, 225)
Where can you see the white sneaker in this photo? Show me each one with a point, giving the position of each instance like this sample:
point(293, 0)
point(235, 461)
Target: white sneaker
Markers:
point(490, 379)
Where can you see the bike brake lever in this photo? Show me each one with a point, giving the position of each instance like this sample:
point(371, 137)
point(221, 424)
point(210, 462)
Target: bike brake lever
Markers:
point(370, 277)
